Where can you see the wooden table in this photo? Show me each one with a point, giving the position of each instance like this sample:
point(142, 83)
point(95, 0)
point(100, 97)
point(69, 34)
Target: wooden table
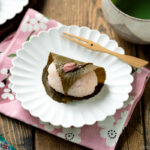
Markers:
point(137, 134)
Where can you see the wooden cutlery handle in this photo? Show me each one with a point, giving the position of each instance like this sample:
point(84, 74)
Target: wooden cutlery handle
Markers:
point(131, 60)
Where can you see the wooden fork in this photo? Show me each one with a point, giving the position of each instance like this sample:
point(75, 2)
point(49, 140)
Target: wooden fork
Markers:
point(131, 60)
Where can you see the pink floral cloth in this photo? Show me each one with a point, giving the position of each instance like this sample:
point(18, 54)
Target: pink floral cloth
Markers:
point(100, 136)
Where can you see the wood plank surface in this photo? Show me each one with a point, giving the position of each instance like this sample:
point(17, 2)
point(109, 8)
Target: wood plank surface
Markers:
point(144, 52)
point(44, 140)
point(20, 135)
point(89, 13)
point(136, 135)
point(17, 133)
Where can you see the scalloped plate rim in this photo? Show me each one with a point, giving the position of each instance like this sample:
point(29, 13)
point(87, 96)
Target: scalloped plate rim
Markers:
point(29, 42)
point(9, 18)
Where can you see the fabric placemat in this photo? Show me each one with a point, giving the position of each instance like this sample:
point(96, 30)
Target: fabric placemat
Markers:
point(100, 136)
point(4, 145)
point(12, 24)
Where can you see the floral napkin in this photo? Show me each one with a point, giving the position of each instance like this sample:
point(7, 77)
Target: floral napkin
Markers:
point(4, 145)
point(100, 136)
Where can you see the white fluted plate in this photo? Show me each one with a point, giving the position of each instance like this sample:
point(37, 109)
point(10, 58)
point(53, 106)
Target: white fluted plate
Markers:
point(9, 8)
point(31, 59)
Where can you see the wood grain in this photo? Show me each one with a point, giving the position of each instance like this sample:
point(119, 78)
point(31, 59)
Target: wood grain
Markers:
point(21, 136)
point(89, 13)
point(146, 114)
point(44, 140)
point(136, 135)
point(16, 133)
point(144, 52)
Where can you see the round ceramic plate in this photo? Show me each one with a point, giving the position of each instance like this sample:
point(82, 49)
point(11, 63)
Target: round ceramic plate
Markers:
point(31, 59)
point(9, 8)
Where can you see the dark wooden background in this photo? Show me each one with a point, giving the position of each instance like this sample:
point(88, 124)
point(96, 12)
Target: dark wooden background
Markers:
point(83, 13)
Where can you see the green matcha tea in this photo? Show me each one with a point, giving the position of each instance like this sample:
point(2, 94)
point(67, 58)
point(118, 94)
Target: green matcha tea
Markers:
point(135, 8)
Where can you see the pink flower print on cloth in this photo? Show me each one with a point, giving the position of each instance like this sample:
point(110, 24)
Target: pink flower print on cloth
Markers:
point(4, 71)
point(100, 136)
point(7, 93)
point(70, 134)
point(2, 85)
point(26, 26)
point(5, 86)
point(34, 24)
point(130, 101)
point(111, 131)
point(48, 127)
